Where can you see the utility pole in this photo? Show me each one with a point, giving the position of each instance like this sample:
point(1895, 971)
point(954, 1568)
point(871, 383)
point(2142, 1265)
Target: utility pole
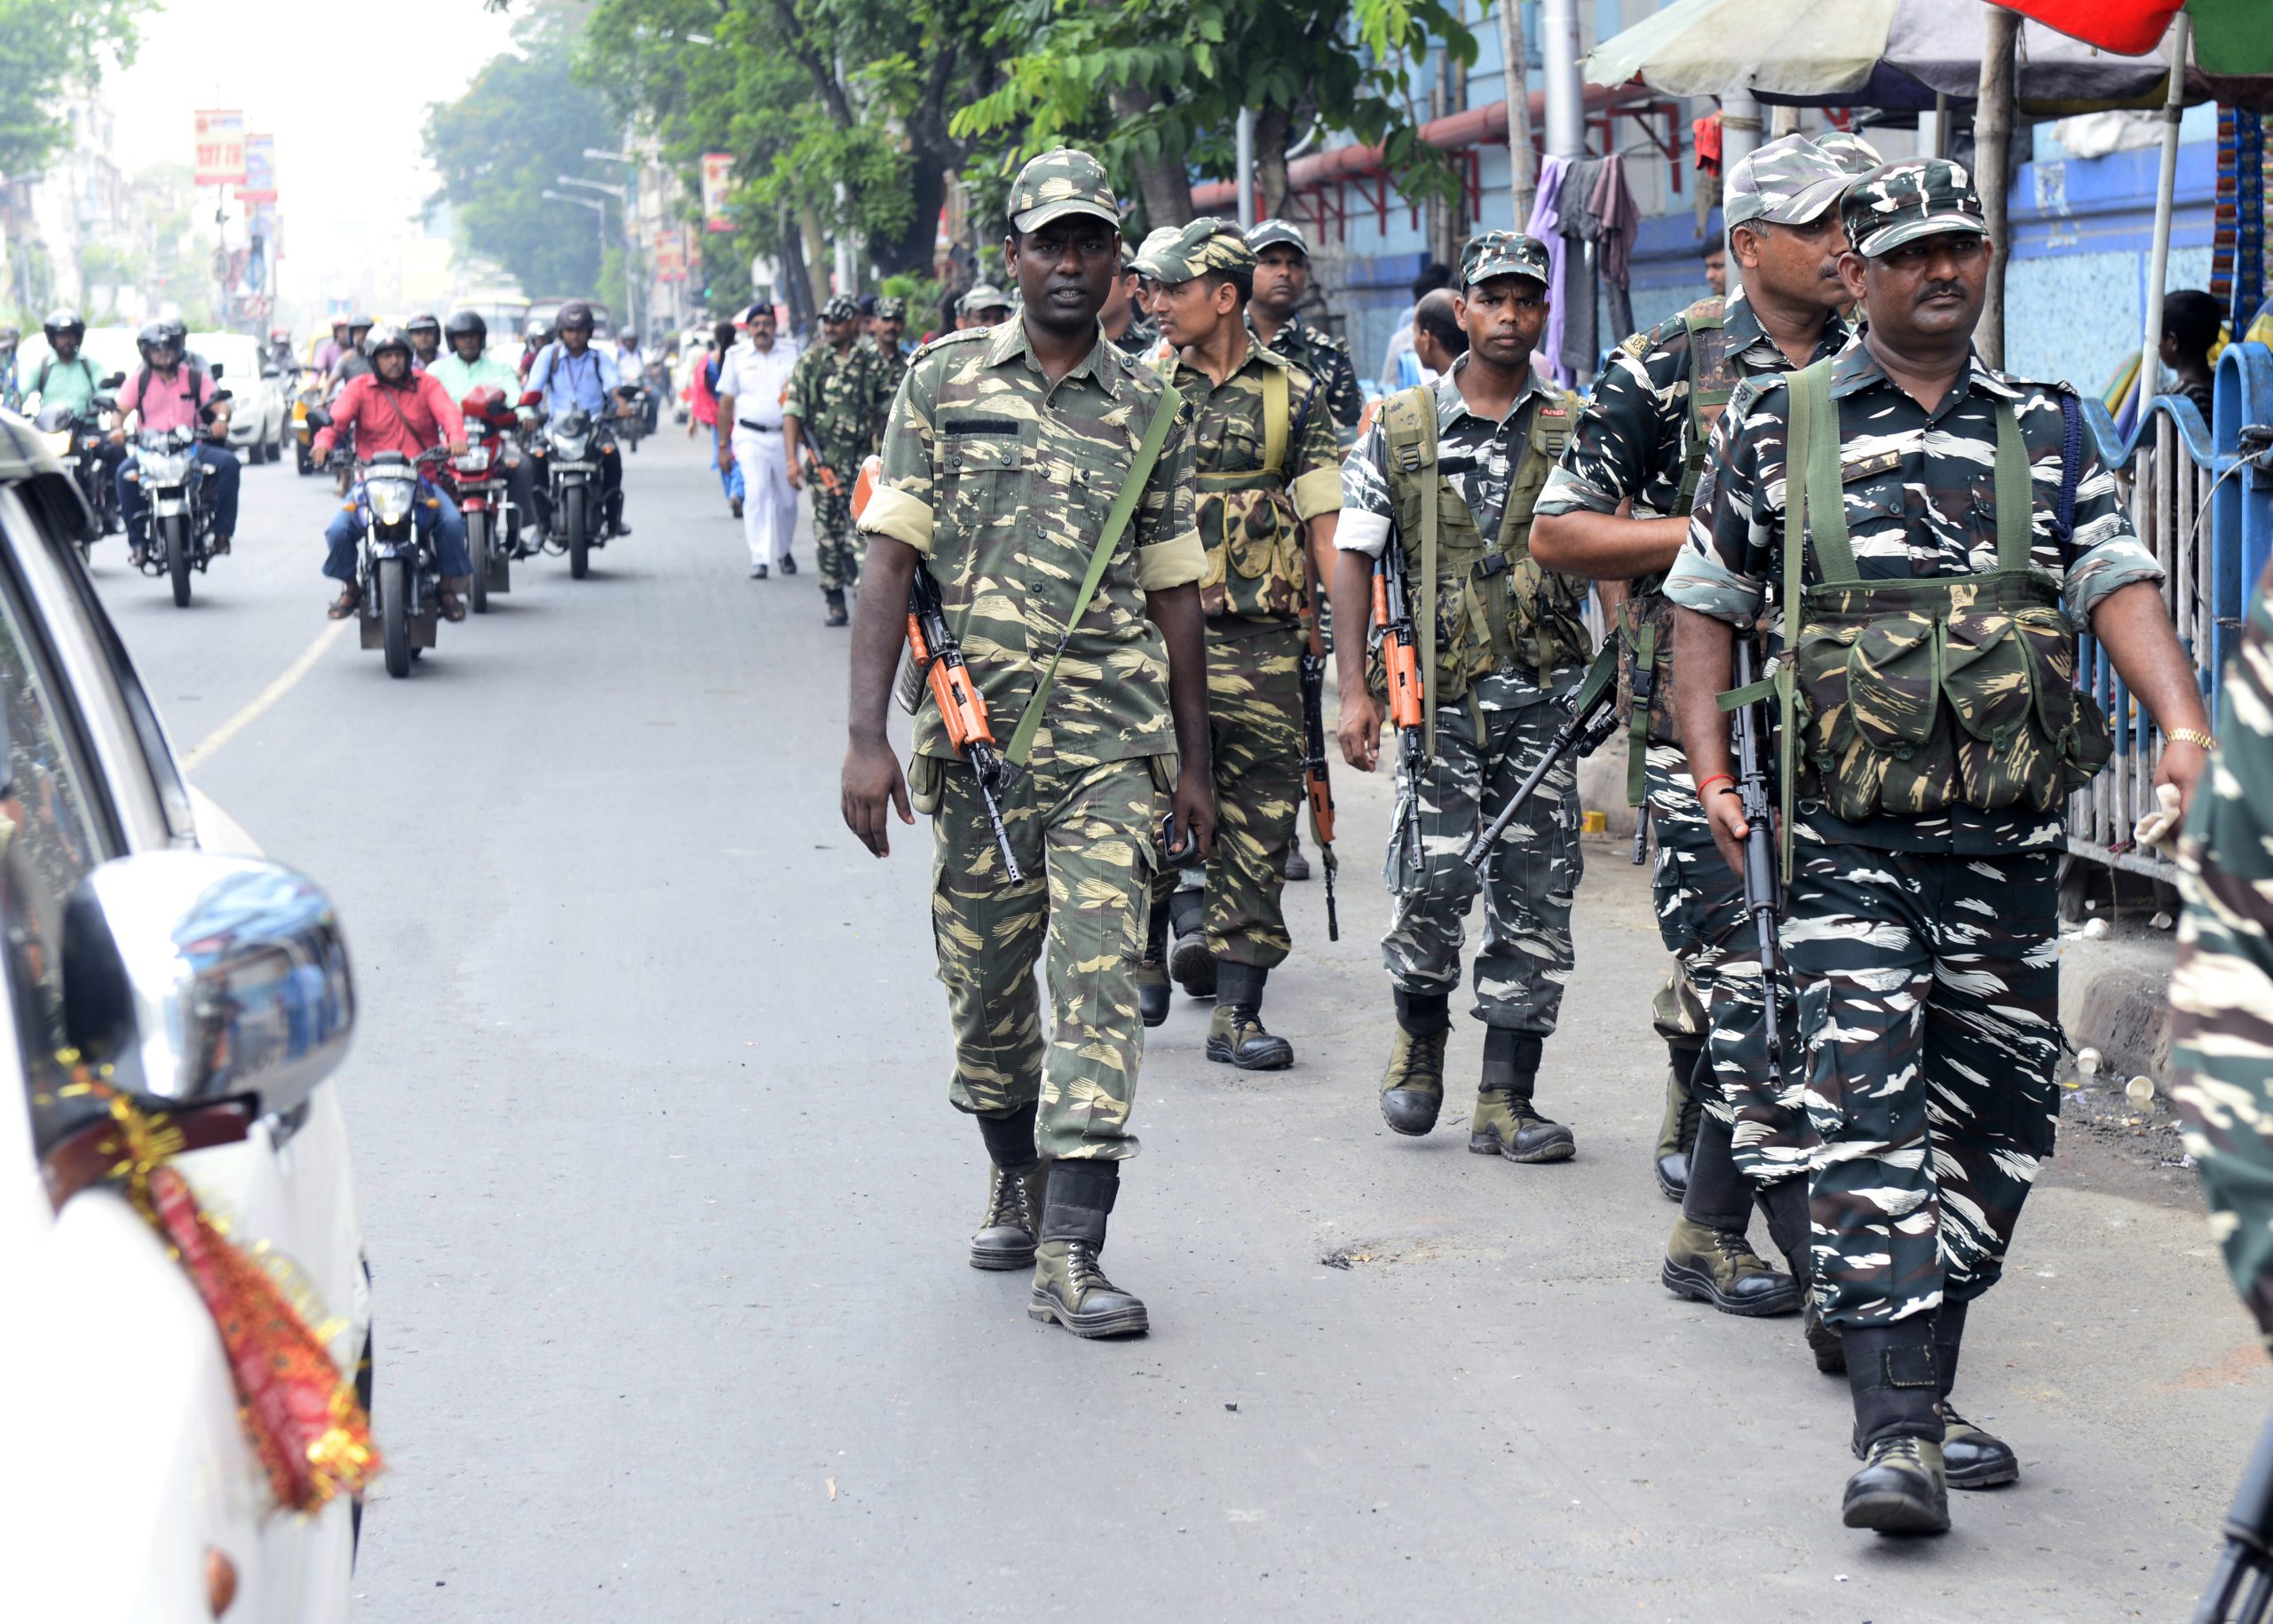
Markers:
point(598, 208)
point(1566, 105)
point(1992, 139)
point(1523, 179)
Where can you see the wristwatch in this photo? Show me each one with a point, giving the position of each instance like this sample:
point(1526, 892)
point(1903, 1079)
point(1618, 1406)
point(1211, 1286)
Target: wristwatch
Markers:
point(2194, 736)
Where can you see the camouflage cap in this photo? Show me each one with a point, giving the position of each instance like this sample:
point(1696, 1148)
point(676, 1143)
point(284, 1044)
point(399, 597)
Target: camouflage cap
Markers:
point(840, 307)
point(1206, 244)
point(1059, 183)
point(1902, 201)
point(1849, 152)
point(891, 307)
point(1788, 182)
point(982, 295)
point(1266, 232)
point(1128, 254)
point(1502, 253)
point(1152, 239)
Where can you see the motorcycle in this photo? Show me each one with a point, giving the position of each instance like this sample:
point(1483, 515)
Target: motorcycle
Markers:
point(573, 440)
point(164, 463)
point(635, 427)
point(79, 440)
point(307, 395)
point(476, 483)
point(397, 569)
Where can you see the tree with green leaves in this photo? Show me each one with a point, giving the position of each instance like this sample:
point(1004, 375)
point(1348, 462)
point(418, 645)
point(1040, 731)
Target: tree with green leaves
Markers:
point(49, 50)
point(525, 119)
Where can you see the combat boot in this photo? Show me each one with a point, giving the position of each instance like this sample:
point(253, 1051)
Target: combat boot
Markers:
point(1069, 1283)
point(1190, 965)
point(1716, 1266)
point(1785, 1204)
point(1298, 867)
point(837, 616)
point(1678, 1131)
point(1971, 1458)
point(1016, 1175)
point(1901, 1487)
point(1504, 1122)
point(1412, 1088)
point(1235, 1033)
point(1152, 969)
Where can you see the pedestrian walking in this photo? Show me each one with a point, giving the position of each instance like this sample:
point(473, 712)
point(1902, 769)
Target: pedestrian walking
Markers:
point(1046, 484)
point(1444, 467)
point(1640, 446)
point(754, 381)
point(1268, 489)
point(887, 360)
point(1932, 543)
point(826, 430)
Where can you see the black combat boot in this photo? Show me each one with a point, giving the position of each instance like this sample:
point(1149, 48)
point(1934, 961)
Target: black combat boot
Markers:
point(1015, 1177)
point(1504, 1122)
point(1898, 1429)
point(1190, 966)
point(1971, 1458)
point(1678, 1133)
point(1069, 1284)
point(1152, 969)
point(1298, 867)
point(1412, 1088)
point(835, 598)
point(1708, 1259)
point(1235, 1033)
point(1784, 1205)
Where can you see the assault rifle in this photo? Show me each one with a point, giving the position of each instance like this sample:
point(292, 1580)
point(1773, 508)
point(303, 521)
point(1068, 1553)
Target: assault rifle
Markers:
point(1756, 796)
point(821, 471)
point(1321, 792)
point(1590, 712)
point(1401, 661)
point(940, 657)
point(2241, 1591)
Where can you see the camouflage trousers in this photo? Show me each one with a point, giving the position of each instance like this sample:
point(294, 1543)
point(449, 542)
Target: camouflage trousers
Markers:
point(837, 546)
point(1930, 988)
point(1527, 881)
point(1702, 920)
point(1255, 724)
point(1085, 840)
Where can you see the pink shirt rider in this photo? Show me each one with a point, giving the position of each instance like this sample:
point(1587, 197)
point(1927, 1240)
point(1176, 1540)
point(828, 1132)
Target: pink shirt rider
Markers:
point(165, 403)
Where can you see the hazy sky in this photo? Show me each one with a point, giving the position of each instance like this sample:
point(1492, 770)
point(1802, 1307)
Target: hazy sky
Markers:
point(342, 87)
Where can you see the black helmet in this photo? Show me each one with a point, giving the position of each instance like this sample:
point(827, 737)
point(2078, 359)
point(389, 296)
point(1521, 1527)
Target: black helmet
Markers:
point(64, 320)
point(425, 323)
point(386, 339)
point(574, 314)
point(363, 322)
point(465, 321)
point(163, 331)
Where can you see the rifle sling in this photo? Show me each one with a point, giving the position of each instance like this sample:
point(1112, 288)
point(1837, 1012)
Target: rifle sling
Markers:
point(1116, 520)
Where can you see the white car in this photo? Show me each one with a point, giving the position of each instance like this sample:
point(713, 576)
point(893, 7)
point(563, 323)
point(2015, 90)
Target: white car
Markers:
point(260, 414)
point(216, 987)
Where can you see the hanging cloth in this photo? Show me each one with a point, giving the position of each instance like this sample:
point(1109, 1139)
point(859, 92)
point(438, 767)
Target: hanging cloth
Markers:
point(1546, 224)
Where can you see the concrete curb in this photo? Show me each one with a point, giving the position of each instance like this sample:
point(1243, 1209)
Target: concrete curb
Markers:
point(2115, 997)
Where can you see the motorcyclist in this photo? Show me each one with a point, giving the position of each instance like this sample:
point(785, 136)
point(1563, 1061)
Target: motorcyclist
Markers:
point(468, 367)
point(329, 350)
point(67, 379)
point(353, 362)
point(280, 348)
point(171, 393)
point(11, 337)
point(534, 337)
point(394, 408)
point(425, 340)
point(569, 372)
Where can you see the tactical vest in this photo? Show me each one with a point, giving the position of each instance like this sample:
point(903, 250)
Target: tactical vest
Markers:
point(1909, 696)
point(1496, 607)
point(1248, 523)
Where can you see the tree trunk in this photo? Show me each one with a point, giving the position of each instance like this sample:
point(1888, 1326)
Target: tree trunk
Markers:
point(796, 286)
point(1162, 182)
point(1516, 86)
point(1992, 136)
point(1272, 126)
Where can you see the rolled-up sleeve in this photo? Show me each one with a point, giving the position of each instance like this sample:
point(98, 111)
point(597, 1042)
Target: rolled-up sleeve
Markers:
point(1168, 553)
point(1366, 510)
point(1719, 571)
point(901, 506)
point(2108, 552)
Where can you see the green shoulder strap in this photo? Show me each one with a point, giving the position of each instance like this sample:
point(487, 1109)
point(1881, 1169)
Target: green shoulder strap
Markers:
point(2016, 497)
point(1813, 509)
point(1274, 418)
point(1428, 593)
point(1124, 505)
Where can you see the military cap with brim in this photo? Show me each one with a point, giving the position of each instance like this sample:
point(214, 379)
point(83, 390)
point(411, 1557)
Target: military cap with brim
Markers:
point(1902, 201)
point(1264, 234)
point(1850, 152)
point(1059, 183)
point(1788, 182)
point(840, 308)
point(1502, 253)
point(983, 295)
point(1206, 244)
point(891, 307)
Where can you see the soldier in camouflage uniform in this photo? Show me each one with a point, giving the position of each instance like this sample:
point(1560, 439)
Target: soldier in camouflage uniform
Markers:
point(1123, 320)
point(886, 362)
point(1282, 278)
point(1641, 440)
point(2222, 992)
point(1007, 449)
point(1445, 466)
point(826, 430)
point(1933, 729)
point(982, 304)
point(1268, 487)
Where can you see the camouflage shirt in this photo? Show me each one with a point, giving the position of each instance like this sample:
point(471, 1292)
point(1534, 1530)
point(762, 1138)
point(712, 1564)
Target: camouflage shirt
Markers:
point(1476, 455)
point(1227, 435)
point(1003, 481)
point(886, 368)
point(1139, 336)
point(832, 397)
point(2222, 991)
point(1325, 357)
point(1920, 494)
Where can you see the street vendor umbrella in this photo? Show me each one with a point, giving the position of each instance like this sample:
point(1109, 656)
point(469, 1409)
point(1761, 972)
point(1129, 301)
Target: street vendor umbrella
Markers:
point(2231, 37)
point(1894, 54)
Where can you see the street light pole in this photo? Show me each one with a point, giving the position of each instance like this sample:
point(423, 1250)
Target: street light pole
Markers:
point(598, 208)
point(622, 196)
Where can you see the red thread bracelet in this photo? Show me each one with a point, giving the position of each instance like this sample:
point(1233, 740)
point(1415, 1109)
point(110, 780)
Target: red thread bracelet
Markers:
point(1714, 778)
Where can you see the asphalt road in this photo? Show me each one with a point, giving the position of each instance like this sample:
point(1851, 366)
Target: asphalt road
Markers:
point(668, 1211)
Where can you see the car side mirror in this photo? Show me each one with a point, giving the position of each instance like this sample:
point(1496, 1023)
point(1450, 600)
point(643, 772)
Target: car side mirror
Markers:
point(196, 976)
point(216, 369)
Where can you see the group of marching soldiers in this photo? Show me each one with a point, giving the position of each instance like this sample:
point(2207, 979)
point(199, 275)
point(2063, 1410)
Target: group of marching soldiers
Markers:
point(1808, 504)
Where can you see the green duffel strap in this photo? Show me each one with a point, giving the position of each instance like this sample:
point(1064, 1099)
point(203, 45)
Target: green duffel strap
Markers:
point(1116, 520)
point(1637, 724)
point(1751, 694)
